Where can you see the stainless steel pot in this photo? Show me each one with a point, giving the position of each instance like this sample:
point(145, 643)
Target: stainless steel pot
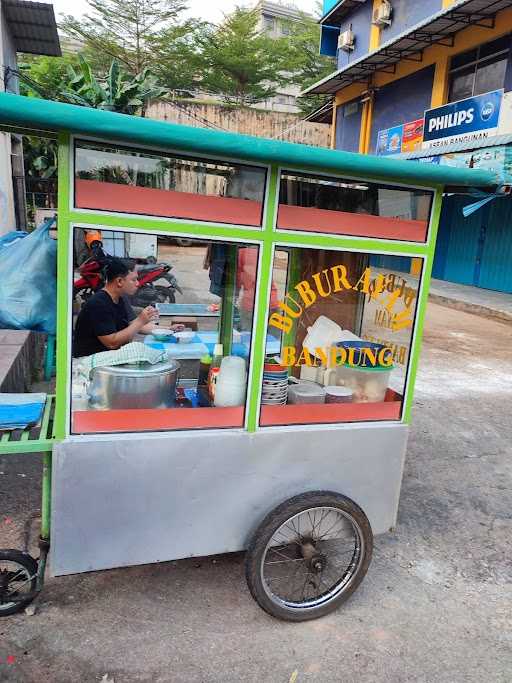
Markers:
point(123, 387)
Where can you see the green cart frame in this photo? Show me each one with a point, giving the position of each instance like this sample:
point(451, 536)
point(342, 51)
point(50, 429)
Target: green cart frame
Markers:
point(65, 123)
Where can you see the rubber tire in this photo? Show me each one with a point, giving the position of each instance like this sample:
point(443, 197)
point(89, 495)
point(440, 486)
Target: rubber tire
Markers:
point(269, 526)
point(166, 292)
point(31, 566)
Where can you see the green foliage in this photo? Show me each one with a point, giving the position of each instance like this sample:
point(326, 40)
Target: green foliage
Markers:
point(40, 157)
point(139, 34)
point(44, 76)
point(241, 64)
point(306, 65)
point(118, 91)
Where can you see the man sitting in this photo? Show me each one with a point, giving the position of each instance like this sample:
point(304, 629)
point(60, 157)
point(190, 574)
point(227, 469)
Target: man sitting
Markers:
point(107, 321)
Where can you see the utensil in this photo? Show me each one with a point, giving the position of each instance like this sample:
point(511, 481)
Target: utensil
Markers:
point(143, 385)
point(184, 337)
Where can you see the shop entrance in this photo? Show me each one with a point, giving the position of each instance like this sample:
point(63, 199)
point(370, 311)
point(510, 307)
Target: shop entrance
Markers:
point(477, 250)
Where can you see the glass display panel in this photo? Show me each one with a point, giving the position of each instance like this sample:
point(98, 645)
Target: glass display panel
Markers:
point(162, 334)
point(346, 323)
point(154, 184)
point(344, 207)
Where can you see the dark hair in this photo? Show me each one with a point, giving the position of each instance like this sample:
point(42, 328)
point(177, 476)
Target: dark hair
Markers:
point(117, 267)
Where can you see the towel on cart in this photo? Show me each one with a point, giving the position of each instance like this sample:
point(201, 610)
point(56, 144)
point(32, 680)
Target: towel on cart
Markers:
point(135, 352)
point(19, 411)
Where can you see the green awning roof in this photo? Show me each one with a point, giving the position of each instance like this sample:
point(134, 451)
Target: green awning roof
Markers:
point(32, 114)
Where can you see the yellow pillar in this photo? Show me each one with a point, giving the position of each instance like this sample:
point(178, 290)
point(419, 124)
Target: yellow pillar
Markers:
point(416, 266)
point(447, 3)
point(362, 131)
point(440, 88)
point(334, 123)
point(374, 30)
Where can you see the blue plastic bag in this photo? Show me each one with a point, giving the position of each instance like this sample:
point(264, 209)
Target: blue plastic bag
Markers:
point(28, 282)
point(11, 237)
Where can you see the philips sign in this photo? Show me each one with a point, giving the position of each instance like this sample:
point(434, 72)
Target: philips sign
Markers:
point(464, 121)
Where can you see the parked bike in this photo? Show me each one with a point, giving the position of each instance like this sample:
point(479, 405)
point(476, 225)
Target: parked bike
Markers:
point(149, 292)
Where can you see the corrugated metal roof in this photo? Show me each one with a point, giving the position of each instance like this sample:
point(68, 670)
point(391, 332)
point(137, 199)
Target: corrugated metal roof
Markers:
point(27, 113)
point(439, 28)
point(341, 9)
point(32, 27)
point(493, 141)
point(322, 114)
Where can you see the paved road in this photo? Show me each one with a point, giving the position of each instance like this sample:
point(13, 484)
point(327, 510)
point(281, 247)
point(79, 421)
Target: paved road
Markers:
point(434, 608)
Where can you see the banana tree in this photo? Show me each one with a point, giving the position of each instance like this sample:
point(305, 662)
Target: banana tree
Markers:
point(118, 91)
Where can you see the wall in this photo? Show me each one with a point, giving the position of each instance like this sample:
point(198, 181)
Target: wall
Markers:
point(407, 13)
point(401, 101)
point(248, 121)
point(348, 127)
point(7, 215)
point(361, 20)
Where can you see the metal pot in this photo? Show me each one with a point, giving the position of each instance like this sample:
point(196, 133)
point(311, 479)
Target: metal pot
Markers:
point(143, 385)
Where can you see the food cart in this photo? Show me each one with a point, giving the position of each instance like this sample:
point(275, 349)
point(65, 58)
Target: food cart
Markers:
point(310, 270)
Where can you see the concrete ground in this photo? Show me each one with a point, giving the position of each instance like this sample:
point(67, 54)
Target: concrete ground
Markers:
point(484, 302)
point(435, 607)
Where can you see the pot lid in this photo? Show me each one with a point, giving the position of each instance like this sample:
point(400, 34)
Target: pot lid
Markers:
point(140, 369)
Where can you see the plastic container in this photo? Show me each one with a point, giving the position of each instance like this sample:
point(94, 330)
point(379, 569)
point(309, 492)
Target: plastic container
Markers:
point(324, 333)
point(231, 383)
point(306, 392)
point(358, 356)
point(368, 385)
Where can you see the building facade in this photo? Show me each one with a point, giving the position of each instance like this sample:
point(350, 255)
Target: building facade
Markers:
point(432, 82)
point(27, 27)
point(275, 18)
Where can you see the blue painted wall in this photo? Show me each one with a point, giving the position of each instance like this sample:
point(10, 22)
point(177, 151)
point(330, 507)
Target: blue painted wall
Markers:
point(348, 127)
point(407, 13)
point(401, 101)
point(361, 20)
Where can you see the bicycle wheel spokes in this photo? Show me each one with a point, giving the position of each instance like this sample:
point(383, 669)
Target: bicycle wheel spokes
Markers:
point(311, 557)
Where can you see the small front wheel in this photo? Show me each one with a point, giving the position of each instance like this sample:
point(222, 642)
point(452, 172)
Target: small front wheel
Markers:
point(309, 555)
point(18, 577)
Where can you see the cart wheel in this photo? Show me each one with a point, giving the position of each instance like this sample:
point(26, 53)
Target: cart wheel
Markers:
point(309, 555)
point(18, 575)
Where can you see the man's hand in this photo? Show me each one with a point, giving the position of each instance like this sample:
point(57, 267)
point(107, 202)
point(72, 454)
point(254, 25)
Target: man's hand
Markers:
point(147, 315)
point(178, 327)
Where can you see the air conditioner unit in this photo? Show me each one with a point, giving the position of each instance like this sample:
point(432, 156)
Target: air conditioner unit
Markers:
point(382, 14)
point(346, 40)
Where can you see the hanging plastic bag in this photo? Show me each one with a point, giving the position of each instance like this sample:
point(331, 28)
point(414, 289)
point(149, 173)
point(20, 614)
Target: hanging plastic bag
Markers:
point(28, 282)
point(11, 237)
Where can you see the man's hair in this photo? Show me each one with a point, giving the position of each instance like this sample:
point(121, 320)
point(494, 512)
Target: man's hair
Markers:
point(117, 267)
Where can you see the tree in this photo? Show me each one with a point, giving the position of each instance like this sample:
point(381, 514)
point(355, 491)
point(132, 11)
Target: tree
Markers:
point(239, 63)
point(118, 91)
point(139, 34)
point(305, 64)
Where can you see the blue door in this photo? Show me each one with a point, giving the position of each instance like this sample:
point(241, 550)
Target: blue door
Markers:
point(476, 250)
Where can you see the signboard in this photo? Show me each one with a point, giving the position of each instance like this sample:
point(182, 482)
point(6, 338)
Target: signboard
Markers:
point(389, 141)
point(469, 120)
point(412, 136)
point(404, 138)
point(497, 159)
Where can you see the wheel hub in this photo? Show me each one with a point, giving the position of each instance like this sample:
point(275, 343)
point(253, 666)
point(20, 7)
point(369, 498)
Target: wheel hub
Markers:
point(315, 560)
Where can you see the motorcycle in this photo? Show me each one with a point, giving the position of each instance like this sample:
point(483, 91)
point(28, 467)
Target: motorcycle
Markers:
point(149, 293)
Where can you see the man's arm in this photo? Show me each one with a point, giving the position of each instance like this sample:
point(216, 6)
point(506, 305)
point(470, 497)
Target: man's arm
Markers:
point(115, 340)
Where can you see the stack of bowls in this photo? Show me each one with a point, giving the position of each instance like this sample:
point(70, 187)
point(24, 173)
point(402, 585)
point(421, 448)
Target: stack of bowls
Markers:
point(275, 385)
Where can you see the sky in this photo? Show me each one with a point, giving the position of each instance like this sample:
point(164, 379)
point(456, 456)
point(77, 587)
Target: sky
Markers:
point(211, 10)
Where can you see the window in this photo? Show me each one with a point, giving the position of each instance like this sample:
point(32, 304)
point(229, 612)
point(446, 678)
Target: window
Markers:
point(347, 207)
point(159, 380)
point(268, 23)
point(480, 70)
point(346, 323)
point(139, 182)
